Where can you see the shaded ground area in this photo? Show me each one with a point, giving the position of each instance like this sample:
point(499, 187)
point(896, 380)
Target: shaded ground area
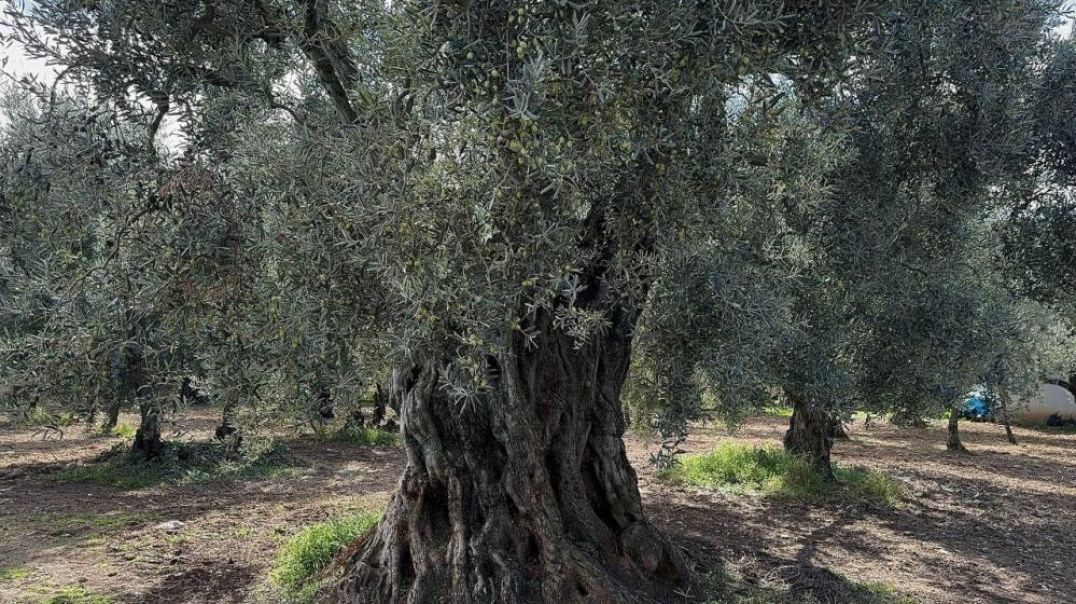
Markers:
point(999, 526)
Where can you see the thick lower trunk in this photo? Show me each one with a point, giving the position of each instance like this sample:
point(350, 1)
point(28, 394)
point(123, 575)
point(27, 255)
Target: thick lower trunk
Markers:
point(356, 419)
point(147, 441)
point(1003, 411)
point(525, 495)
point(954, 444)
point(810, 433)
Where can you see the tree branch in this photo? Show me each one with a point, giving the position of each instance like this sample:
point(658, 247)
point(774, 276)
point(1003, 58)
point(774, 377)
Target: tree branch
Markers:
point(321, 43)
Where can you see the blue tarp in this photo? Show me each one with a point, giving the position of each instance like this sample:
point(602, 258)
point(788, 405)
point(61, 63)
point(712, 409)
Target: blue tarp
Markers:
point(978, 406)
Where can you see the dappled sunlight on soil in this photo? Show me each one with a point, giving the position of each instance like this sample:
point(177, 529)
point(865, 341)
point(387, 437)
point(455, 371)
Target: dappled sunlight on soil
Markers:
point(997, 526)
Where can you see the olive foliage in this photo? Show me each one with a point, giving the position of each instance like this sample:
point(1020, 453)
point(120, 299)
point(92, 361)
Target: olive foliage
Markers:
point(793, 205)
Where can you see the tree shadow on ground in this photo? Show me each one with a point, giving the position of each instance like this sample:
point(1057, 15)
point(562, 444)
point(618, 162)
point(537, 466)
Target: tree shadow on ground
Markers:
point(734, 564)
point(228, 584)
point(44, 521)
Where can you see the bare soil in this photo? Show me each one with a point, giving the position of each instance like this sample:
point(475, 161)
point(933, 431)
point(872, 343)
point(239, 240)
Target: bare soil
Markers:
point(998, 526)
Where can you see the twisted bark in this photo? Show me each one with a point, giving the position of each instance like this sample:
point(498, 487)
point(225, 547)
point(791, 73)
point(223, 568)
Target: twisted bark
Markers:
point(147, 441)
point(525, 496)
point(810, 433)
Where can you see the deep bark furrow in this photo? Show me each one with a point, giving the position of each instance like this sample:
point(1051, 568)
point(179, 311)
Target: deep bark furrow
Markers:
point(527, 496)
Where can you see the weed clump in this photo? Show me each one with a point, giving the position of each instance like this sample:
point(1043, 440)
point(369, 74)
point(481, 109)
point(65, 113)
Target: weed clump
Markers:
point(366, 436)
point(181, 463)
point(299, 569)
point(76, 595)
point(739, 468)
point(14, 573)
point(124, 431)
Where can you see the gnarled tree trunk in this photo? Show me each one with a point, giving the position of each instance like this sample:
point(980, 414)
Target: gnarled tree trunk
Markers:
point(525, 496)
point(810, 433)
point(147, 439)
point(954, 444)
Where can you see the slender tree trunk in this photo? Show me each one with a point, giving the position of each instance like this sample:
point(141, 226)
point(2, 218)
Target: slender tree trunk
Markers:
point(228, 432)
point(112, 417)
point(1003, 409)
point(380, 402)
point(954, 443)
point(91, 411)
point(326, 406)
point(147, 441)
point(525, 495)
point(810, 433)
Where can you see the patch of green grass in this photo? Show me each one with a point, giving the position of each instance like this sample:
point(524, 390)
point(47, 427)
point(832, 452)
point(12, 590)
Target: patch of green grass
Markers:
point(124, 431)
point(183, 463)
point(14, 573)
point(304, 557)
point(39, 417)
point(777, 411)
point(76, 595)
point(92, 524)
point(881, 593)
point(369, 437)
point(740, 468)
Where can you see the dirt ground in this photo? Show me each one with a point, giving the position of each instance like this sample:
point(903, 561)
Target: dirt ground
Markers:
point(999, 526)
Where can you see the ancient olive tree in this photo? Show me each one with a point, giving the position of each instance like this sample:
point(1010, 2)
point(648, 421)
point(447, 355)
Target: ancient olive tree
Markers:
point(506, 181)
point(497, 196)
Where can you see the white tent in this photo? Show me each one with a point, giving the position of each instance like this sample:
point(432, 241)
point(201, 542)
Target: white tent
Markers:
point(1051, 400)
